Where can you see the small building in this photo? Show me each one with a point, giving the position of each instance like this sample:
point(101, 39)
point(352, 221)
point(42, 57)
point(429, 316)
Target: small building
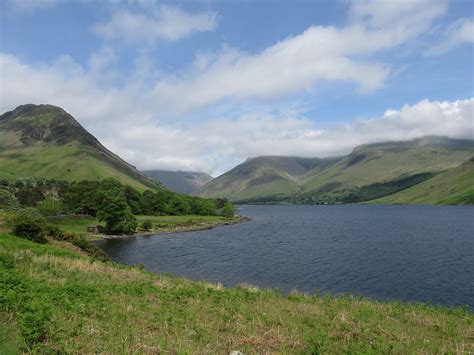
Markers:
point(94, 229)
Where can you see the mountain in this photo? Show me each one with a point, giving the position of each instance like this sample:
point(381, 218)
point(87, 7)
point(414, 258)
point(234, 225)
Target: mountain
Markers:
point(369, 172)
point(184, 182)
point(46, 141)
point(274, 176)
point(455, 186)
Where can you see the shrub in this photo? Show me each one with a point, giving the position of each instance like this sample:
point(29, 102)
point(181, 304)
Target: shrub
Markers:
point(8, 201)
point(146, 226)
point(50, 207)
point(28, 223)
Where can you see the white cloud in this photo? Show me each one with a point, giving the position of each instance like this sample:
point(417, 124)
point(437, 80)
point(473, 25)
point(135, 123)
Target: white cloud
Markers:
point(458, 33)
point(298, 62)
point(231, 141)
point(128, 115)
point(162, 22)
point(123, 119)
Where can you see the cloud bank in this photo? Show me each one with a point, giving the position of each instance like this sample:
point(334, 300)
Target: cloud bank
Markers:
point(123, 120)
point(147, 116)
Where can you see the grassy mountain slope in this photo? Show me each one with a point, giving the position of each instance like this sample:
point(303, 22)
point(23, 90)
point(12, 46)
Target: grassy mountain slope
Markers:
point(384, 162)
point(45, 141)
point(180, 181)
point(263, 176)
point(455, 186)
point(379, 169)
point(55, 299)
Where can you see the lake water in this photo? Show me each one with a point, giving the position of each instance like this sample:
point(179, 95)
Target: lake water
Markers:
point(412, 253)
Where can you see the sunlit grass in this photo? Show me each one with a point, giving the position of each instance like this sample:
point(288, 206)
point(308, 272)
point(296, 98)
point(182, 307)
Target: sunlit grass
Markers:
point(60, 301)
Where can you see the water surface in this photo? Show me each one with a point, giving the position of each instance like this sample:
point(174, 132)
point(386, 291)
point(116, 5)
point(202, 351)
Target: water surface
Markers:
point(412, 253)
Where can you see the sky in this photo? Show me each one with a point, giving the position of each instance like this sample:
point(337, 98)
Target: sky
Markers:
point(203, 85)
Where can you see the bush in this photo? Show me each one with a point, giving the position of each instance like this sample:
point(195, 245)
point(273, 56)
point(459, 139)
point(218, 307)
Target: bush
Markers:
point(29, 224)
point(146, 226)
point(8, 201)
point(50, 207)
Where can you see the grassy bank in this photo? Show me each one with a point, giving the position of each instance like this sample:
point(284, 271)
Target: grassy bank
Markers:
point(160, 224)
point(57, 299)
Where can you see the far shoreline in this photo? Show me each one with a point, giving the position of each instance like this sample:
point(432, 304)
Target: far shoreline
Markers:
point(173, 230)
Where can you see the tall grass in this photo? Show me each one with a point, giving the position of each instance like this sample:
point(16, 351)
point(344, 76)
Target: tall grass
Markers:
point(60, 301)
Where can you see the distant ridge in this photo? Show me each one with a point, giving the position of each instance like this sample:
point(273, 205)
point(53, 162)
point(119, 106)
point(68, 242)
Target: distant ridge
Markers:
point(180, 181)
point(369, 172)
point(46, 141)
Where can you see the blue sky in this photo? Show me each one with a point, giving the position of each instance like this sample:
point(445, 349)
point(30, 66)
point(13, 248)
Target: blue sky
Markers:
point(202, 85)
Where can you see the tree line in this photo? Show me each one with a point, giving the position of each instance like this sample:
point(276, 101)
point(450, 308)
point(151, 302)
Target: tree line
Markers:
point(109, 200)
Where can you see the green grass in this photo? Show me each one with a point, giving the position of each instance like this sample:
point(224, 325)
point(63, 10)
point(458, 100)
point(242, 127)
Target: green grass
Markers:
point(79, 225)
point(10, 341)
point(455, 186)
point(60, 301)
point(71, 162)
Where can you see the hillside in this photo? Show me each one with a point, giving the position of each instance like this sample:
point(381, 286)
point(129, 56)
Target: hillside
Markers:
point(46, 141)
point(56, 299)
point(369, 172)
point(184, 182)
point(275, 176)
point(455, 186)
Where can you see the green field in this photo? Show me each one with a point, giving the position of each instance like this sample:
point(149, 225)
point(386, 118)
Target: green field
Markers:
point(454, 186)
point(161, 223)
point(57, 300)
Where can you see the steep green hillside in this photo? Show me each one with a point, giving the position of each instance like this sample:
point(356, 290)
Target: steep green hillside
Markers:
point(455, 186)
point(45, 141)
point(184, 182)
point(384, 163)
point(263, 176)
point(369, 172)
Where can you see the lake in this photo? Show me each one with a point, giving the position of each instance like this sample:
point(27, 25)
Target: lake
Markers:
point(411, 253)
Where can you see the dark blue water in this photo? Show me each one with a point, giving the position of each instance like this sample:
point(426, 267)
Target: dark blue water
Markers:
point(412, 253)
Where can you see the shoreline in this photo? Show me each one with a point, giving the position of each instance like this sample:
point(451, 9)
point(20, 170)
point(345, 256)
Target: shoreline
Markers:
point(179, 229)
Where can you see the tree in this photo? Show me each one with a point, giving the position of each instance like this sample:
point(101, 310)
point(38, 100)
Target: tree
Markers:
point(80, 197)
point(133, 198)
point(117, 215)
point(29, 195)
point(112, 207)
point(28, 223)
point(228, 211)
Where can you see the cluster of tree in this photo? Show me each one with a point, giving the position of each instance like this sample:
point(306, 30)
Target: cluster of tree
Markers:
point(108, 199)
point(29, 223)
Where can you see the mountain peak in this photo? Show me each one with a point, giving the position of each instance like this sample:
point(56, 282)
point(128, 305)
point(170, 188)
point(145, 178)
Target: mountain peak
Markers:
point(46, 124)
point(50, 129)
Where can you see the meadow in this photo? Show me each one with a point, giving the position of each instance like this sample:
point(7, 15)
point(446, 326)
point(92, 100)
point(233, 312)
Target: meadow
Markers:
point(54, 298)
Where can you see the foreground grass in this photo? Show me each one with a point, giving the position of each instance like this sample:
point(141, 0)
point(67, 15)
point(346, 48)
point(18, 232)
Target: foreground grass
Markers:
point(60, 301)
point(160, 223)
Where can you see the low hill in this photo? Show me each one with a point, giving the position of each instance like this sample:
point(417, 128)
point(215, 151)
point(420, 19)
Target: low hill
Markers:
point(275, 176)
point(455, 186)
point(369, 172)
point(46, 141)
point(184, 182)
